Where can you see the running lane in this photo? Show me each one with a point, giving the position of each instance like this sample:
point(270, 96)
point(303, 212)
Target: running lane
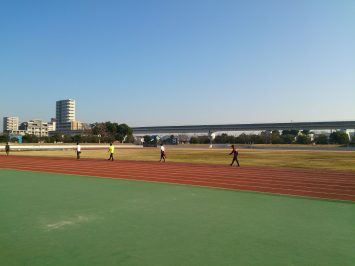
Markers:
point(339, 185)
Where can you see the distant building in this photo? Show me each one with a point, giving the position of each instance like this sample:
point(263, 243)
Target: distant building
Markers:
point(52, 126)
point(10, 124)
point(65, 117)
point(35, 127)
point(18, 132)
point(65, 111)
point(85, 126)
point(68, 126)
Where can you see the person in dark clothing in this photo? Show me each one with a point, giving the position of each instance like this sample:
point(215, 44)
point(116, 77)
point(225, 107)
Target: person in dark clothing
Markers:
point(7, 149)
point(162, 153)
point(235, 155)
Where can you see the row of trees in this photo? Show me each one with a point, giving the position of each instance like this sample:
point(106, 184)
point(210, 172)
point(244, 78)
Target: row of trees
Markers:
point(59, 138)
point(100, 132)
point(286, 137)
point(4, 138)
point(110, 132)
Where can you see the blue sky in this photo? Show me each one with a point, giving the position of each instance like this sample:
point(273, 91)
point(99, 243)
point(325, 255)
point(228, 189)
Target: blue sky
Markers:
point(179, 62)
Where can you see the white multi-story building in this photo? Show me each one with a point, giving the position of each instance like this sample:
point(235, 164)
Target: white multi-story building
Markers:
point(65, 115)
point(65, 111)
point(52, 126)
point(35, 127)
point(10, 124)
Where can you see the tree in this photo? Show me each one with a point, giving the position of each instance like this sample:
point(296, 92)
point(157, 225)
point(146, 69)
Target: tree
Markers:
point(67, 139)
point(288, 138)
point(292, 132)
point(77, 138)
point(193, 140)
point(224, 138)
point(242, 138)
point(98, 129)
point(321, 139)
point(276, 137)
point(150, 141)
point(4, 138)
point(339, 137)
point(306, 132)
point(200, 140)
point(266, 135)
point(183, 138)
point(57, 137)
point(147, 138)
point(303, 139)
point(113, 131)
point(255, 139)
point(107, 139)
point(30, 138)
point(123, 131)
point(203, 139)
point(45, 139)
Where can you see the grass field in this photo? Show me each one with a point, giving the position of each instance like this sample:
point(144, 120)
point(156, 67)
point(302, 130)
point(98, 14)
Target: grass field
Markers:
point(56, 219)
point(311, 159)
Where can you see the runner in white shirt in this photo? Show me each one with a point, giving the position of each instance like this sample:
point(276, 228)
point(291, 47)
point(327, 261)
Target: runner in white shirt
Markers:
point(162, 152)
point(78, 150)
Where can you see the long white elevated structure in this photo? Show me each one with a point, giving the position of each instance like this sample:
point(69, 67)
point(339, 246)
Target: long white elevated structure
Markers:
point(245, 127)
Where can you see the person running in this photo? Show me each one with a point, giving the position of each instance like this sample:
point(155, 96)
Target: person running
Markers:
point(111, 150)
point(78, 150)
point(235, 155)
point(162, 152)
point(7, 149)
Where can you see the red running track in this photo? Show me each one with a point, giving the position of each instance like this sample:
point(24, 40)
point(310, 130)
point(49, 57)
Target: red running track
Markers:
point(338, 185)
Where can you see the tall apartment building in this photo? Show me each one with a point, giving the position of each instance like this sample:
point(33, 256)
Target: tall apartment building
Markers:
point(65, 111)
point(65, 116)
point(10, 124)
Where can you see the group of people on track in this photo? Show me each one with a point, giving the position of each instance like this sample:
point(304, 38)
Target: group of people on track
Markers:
point(234, 152)
point(111, 151)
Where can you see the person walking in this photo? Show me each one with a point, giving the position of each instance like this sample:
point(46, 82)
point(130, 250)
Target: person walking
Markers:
point(7, 149)
point(78, 150)
point(162, 152)
point(235, 155)
point(111, 150)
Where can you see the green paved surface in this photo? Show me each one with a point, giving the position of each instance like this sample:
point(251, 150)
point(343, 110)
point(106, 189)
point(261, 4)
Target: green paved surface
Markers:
point(53, 219)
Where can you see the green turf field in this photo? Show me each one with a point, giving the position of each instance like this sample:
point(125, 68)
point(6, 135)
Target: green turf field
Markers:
point(54, 219)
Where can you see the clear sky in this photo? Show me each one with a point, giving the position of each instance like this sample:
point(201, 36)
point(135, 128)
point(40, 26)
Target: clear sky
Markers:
point(179, 62)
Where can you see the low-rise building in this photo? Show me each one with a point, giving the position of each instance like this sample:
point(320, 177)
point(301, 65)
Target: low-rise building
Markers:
point(52, 126)
point(35, 127)
point(69, 126)
point(18, 132)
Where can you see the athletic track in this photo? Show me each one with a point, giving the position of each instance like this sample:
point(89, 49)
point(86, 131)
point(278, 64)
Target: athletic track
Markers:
point(323, 184)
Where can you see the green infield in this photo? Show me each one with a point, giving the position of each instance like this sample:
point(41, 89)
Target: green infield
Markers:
point(55, 219)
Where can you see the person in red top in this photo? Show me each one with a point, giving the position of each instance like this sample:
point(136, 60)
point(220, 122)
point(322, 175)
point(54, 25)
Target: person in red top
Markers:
point(235, 155)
